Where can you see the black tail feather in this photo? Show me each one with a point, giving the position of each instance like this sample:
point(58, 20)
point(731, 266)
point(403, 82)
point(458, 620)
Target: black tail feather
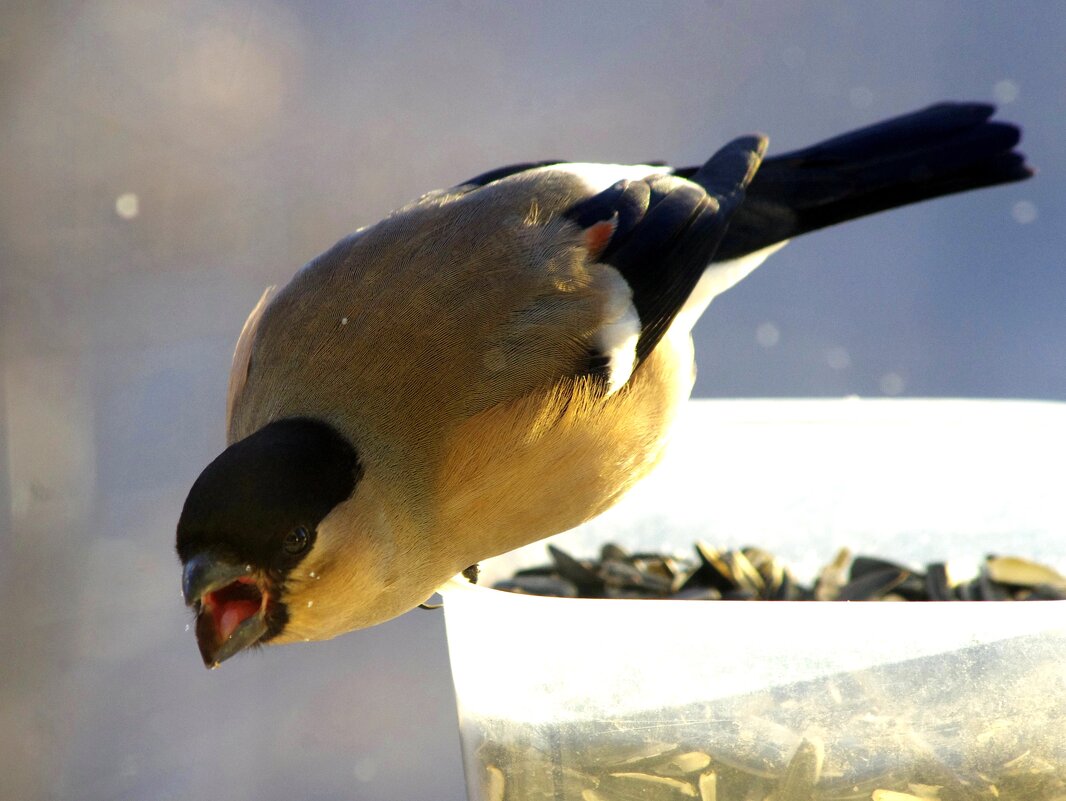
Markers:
point(941, 150)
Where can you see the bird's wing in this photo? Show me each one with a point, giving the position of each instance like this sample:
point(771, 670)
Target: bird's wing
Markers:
point(660, 233)
point(481, 295)
point(647, 236)
point(242, 356)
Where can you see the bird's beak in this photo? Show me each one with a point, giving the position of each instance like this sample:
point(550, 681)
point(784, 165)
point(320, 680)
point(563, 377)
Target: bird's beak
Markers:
point(230, 604)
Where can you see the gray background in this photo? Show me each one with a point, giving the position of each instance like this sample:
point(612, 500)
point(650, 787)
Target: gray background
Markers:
point(253, 135)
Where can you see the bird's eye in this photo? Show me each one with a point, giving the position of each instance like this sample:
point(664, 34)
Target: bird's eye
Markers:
point(296, 541)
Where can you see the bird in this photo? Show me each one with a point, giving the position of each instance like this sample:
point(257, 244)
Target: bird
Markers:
point(501, 361)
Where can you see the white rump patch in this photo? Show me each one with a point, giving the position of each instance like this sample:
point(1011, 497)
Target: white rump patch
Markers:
point(716, 279)
point(617, 337)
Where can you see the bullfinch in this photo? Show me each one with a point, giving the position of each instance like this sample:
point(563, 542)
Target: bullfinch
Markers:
point(500, 361)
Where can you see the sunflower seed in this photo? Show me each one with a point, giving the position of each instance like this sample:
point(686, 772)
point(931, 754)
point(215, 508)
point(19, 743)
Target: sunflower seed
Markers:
point(684, 764)
point(614, 553)
point(938, 583)
point(639, 786)
point(1016, 572)
point(588, 582)
point(873, 585)
point(494, 784)
point(708, 786)
point(713, 571)
point(803, 772)
point(832, 577)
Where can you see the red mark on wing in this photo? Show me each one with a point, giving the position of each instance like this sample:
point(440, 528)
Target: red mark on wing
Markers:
point(598, 236)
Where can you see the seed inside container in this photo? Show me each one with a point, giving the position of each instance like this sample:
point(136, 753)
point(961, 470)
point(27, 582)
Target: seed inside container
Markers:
point(841, 737)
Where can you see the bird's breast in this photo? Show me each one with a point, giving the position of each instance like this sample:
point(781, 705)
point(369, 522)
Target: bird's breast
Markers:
point(525, 470)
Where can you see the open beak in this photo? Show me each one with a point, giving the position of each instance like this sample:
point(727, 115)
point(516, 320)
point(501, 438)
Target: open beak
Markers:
point(230, 603)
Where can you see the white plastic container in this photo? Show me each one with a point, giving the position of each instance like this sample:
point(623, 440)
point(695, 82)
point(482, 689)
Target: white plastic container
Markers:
point(564, 699)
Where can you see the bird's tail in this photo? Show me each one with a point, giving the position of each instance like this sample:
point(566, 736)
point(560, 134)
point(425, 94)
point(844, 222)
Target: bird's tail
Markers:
point(946, 148)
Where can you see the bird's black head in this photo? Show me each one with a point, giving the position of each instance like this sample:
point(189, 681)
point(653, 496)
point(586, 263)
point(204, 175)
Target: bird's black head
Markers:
point(250, 518)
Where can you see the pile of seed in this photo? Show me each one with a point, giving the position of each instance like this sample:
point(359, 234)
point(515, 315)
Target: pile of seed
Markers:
point(752, 574)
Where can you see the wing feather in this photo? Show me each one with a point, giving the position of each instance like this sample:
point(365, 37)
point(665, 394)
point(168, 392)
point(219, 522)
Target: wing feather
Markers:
point(242, 359)
point(667, 231)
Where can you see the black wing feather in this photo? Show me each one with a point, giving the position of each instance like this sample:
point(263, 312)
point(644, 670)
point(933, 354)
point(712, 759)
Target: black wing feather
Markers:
point(668, 229)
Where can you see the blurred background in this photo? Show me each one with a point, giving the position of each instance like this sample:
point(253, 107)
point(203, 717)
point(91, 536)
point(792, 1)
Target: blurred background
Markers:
point(163, 162)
